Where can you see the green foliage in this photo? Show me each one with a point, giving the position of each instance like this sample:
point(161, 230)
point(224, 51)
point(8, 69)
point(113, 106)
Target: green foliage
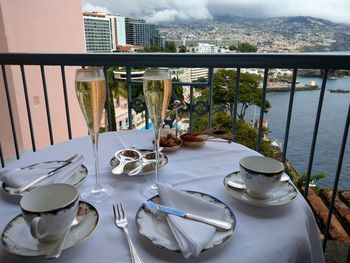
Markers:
point(153, 49)
point(245, 133)
point(243, 47)
point(170, 46)
point(246, 47)
point(232, 47)
point(249, 93)
point(116, 89)
point(182, 49)
point(313, 178)
point(178, 90)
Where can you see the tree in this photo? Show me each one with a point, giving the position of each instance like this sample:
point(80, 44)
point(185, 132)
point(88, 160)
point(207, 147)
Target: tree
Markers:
point(119, 89)
point(170, 46)
point(245, 134)
point(178, 91)
point(248, 92)
point(246, 47)
point(116, 90)
point(182, 49)
point(232, 47)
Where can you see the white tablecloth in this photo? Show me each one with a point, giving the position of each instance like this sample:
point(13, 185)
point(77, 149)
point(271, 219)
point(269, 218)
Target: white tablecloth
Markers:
point(284, 234)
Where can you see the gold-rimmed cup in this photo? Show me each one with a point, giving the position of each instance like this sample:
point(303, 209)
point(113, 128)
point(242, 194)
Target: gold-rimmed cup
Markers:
point(49, 210)
point(260, 175)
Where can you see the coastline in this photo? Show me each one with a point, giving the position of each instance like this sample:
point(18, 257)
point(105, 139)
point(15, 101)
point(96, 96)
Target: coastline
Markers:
point(288, 88)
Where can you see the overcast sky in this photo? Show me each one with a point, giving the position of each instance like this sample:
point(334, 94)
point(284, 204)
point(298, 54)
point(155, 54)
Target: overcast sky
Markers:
point(170, 10)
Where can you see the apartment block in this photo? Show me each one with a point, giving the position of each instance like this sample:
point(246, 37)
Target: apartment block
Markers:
point(98, 33)
point(140, 33)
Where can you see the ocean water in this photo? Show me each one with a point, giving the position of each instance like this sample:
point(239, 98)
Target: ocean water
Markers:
point(330, 133)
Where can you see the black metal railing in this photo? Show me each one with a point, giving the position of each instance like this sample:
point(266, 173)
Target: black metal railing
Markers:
point(323, 62)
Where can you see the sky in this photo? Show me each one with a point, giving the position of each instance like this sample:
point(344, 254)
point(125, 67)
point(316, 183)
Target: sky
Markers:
point(158, 11)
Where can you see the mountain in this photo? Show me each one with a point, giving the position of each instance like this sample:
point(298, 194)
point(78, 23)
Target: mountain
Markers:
point(281, 34)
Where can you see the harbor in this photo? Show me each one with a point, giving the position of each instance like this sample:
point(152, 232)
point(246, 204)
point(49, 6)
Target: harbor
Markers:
point(279, 86)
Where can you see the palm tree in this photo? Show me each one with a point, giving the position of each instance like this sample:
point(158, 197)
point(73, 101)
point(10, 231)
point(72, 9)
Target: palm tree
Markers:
point(117, 89)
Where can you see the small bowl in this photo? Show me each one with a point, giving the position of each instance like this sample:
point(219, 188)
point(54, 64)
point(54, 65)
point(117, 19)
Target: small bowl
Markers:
point(260, 175)
point(170, 148)
point(173, 148)
point(195, 142)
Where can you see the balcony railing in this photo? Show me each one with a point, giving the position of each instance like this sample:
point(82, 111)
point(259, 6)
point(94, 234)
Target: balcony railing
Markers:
point(324, 62)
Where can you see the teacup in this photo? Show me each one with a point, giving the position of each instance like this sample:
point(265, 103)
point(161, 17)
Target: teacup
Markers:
point(260, 175)
point(49, 210)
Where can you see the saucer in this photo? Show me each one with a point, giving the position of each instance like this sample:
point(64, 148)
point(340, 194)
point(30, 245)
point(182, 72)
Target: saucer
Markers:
point(155, 228)
point(131, 166)
point(74, 180)
point(17, 240)
point(283, 194)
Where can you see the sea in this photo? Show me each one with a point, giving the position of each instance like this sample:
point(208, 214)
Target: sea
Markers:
point(330, 133)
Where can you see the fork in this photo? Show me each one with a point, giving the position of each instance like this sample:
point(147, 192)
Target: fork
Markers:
point(122, 222)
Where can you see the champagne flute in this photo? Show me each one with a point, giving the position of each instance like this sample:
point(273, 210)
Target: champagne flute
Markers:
point(157, 91)
point(90, 88)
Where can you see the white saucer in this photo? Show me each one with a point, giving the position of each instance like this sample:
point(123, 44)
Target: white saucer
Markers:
point(17, 240)
point(74, 180)
point(283, 194)
point(155, 228)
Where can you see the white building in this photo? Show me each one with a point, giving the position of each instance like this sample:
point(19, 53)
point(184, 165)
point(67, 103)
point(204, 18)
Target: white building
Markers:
point(198, 73)
point(97, 33)
point(183, 74)
point(118, 34)
point(206, 48)
point(120, 31)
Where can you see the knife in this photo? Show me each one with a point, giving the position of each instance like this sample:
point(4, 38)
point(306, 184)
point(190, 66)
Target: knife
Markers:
point(222, 225)
point(47, 175)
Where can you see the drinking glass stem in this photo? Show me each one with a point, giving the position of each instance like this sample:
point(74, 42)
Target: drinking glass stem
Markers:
point(94, 138)
point(156, 147)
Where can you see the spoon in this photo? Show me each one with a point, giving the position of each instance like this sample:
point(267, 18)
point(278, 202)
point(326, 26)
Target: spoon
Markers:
point(58, 247)
point(238, 184)
point(125, 157)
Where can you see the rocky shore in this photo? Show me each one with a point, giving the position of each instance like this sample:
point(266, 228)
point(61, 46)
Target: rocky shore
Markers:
point(340, 223)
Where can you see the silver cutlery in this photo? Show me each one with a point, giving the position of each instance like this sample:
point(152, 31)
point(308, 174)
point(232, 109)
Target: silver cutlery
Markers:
point(219, 224)
point(58, 247)
point(125, 156)
point(47, 175)
point(122, 222)
point(146, 159)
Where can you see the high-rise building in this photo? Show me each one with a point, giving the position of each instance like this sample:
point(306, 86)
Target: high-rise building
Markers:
point(140, 33)
point(121, 33)
point(98, 33)
point(118, 34)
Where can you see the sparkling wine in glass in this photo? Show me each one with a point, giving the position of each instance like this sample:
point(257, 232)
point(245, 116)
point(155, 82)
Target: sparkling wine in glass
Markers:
point(157, 91)
point(90, 88)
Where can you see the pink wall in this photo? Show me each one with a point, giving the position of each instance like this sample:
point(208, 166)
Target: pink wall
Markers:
point(40, 26)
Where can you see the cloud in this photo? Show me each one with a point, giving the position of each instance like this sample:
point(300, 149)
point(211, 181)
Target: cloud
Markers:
point(95, 8)
point(170, 10)
point(336, 10)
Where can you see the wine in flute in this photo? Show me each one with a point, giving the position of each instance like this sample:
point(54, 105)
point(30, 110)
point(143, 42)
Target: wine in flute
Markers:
point(157, 96)
point(157, 89)
point(91, 95)
point(90, 88)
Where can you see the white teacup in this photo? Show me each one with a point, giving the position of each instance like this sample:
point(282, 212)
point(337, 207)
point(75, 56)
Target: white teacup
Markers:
point(49, 210)
point(260, 175)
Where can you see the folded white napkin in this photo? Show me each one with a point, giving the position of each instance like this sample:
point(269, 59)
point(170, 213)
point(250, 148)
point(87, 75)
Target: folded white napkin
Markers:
point(191, 236)
point(16, 178)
